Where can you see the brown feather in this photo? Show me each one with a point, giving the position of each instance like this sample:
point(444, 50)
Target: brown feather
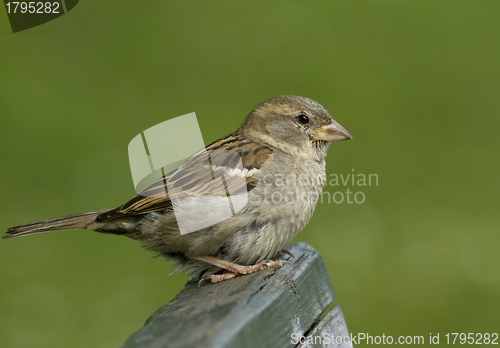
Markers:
point(192, 178)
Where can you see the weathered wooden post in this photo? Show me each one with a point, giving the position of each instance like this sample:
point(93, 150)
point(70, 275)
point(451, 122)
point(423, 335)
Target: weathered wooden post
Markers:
point(272, 308)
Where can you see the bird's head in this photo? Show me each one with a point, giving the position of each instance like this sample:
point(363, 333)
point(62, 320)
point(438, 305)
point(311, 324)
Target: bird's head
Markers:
point(293, 124)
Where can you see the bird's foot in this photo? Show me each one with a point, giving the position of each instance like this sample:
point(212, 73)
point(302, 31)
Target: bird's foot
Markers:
point(235, 269)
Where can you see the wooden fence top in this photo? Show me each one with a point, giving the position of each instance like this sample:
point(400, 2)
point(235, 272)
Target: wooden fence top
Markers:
point(262, 309)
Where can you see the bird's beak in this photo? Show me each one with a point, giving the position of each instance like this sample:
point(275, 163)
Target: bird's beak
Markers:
point(332, 132)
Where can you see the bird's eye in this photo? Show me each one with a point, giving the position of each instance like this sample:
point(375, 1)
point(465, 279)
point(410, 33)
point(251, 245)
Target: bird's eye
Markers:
point(303, 119)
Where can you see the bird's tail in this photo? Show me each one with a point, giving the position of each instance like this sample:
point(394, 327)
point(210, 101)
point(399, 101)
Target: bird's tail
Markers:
point(61, 223)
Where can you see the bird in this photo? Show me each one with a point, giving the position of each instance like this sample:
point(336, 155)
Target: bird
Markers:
point(274, 166)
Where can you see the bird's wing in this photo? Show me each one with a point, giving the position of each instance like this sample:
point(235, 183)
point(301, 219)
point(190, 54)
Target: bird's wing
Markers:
point(195, 177)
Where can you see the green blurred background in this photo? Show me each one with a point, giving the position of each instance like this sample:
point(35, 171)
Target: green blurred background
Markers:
point(417, 83)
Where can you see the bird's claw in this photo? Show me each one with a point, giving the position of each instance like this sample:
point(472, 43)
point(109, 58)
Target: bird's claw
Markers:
point(284, 251)
point(216, 278)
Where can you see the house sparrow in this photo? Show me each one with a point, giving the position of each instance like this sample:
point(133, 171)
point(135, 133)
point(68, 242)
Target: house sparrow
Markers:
point(282, 146)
